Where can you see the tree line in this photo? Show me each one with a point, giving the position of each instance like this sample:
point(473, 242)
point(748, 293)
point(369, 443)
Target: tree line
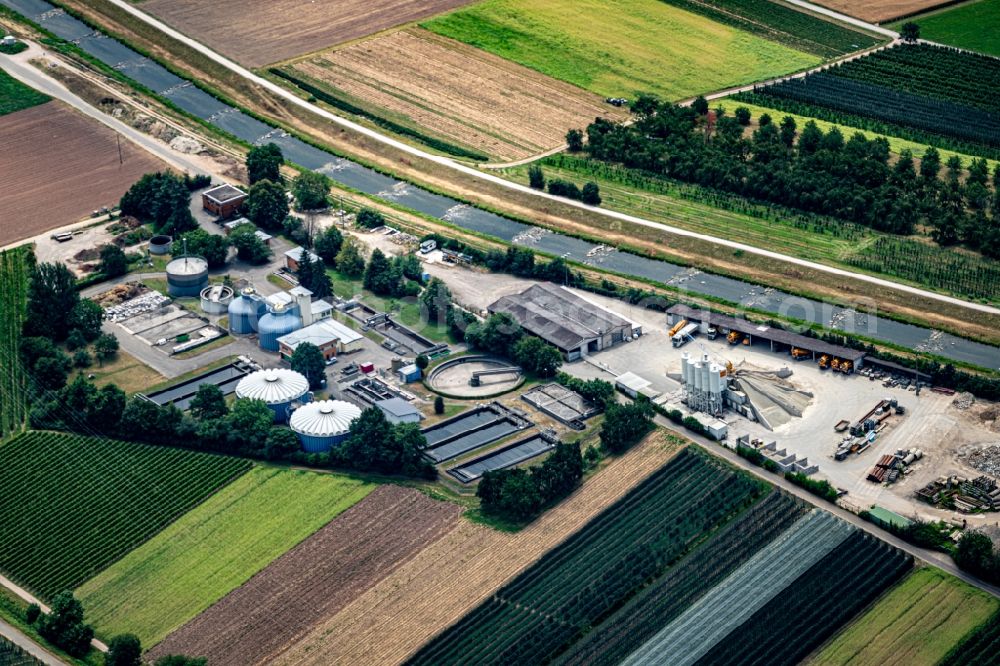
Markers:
point(806, 169)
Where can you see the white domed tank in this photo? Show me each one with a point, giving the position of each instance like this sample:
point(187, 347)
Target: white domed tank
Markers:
point(245, 312)
point(280, 388)
point(324, 424)
point(187, 276)
point(279, 321)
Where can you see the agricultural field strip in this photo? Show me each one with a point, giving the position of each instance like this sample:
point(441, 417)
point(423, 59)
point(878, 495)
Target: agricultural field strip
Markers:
point(15, 96)
point(448, 163)
point(98, 500)
point(749, 588)
point(878, 11)
point(214, 549)
point(315, 579)
point(812, 608)
point(601, 565)
point(450, 577)
point(969, 25)
point(683, 584)
point(979, 649)
point(451, 89)
point(14, 270)
point(914, 624)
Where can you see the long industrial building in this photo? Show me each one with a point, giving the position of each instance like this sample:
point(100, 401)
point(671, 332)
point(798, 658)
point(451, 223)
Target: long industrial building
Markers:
point(574, 325)
point(779, 339)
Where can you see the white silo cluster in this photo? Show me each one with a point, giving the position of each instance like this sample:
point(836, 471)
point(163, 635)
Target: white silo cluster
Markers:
point(703, 383)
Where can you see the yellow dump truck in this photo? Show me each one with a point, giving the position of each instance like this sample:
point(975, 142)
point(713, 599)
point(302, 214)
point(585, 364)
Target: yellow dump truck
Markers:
point(734, 337)
point(799, 353)
point(824, 361)
point(846, 367)
point(835, 364)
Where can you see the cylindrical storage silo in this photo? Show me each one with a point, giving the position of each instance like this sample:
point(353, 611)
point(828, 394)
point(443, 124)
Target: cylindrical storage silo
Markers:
point(280, 388)
point(697, 376)
point(161, 244)
point(686, 368)
point(324, 424)
point(245, 312)
point(215, 299)
point(187, 276)
point(278, 322)
point(714, 380)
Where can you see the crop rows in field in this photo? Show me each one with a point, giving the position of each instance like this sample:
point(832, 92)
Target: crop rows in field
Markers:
point(12, 655)
point(15, 266)
point(781, 23)
point(15, 96)
point(667, 597)
point(893, 106)
point(752, 586)
point(979, 649)
point(812, 608)
point(938, 72)
point(964, 274)
point(600, 567)
point(72, 505)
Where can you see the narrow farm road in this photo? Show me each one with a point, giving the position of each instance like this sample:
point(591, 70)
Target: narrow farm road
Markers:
point(524, 189)
point(32, 599)
point(19, 67)
point(935, 558)
point(23, 641)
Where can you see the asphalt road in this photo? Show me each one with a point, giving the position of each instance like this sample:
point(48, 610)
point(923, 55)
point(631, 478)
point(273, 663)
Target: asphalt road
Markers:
point(20, 639)
point(465, 169)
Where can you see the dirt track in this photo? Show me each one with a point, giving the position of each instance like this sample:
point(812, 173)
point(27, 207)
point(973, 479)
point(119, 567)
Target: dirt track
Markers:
point(446, 580)
point(878, 11)
point(315, 579)
point(57, 166)
point(458, 92)
point(258, 32)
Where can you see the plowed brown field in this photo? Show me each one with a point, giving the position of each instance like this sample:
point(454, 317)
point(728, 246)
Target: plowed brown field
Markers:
point(315, 579)
point(258, 32)
point(57, 165)
point(456, 92)
point(446, 580)
point(878, 11)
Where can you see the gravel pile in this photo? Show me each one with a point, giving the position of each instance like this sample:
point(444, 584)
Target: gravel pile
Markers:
point(963, 400)
point(986, 459)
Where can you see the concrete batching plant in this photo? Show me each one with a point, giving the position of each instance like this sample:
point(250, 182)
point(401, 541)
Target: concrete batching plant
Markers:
point(704, 383)
point(324, 424)
point(280, 388)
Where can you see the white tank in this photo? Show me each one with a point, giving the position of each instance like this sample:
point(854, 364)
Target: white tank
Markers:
point(686, 368)
point(697, 376)
point(714, 382)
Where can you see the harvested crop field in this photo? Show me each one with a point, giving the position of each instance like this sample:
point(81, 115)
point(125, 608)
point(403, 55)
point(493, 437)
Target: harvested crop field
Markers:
point(445, 581)
point(315, 579)
point(58, 166)
point(914, 624)
point(456, 92)
point(258, 32)
point(879, 11)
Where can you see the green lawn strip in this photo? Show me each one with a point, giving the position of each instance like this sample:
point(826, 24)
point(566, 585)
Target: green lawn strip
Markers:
point(12, 610)
point(971, 25)
point(214, 549)
point(622, 48)
point(918, 621)
point(15, 96)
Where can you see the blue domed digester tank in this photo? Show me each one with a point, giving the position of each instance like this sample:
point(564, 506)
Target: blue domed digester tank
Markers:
point(324, 424)
point(279, 321)
point(245, 312)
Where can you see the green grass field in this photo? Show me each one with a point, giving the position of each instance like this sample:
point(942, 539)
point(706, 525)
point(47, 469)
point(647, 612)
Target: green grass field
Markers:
point(620, 48)
point(973, 25)
point(214, 549)
point(70, 505)
point(15, 96)
point(914, 624)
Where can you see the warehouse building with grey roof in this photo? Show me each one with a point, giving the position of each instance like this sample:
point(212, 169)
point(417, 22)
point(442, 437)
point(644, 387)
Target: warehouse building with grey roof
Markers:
point(573, 324)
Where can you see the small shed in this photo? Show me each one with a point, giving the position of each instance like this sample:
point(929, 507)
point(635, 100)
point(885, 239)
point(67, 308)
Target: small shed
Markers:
point(633, 386)
point(8, 40)
point(397, 410)
point(409, 373)
point(888, 519)
point(223, 200)
point(717, 430)
point(294, 257)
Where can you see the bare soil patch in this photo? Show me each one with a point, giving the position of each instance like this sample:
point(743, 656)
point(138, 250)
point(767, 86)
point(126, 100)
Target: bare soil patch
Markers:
point(443, 582)
point(315, 579)
point(58, 166)
point(880, 11)
point(258, 32)
point(457, 92)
